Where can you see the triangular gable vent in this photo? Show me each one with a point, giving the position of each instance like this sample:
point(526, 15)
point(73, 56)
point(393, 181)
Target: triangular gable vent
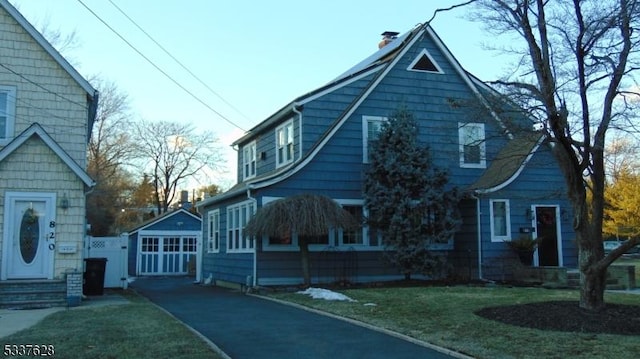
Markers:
point(425, 63)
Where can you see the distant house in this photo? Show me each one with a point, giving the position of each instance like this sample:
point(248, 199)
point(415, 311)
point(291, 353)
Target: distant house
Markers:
point(319, 143)
point(47, 110)
point(166, 245)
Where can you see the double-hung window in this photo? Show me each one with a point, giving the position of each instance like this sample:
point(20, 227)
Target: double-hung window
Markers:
point(237, 218)
point(7, 113)
point(500, 220)
point(249, 160)
point(350, 237)
point(284, 144)
point(213, 240)
point(471, 138)
point(371, 126)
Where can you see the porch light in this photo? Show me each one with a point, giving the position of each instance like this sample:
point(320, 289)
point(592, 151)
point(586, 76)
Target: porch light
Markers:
point(64, 202)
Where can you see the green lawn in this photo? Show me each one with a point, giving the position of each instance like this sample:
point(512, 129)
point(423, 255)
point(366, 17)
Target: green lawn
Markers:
point(445, 316)
point(134, 330)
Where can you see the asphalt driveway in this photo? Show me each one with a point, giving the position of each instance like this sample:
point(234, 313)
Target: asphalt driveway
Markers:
point(245, 326)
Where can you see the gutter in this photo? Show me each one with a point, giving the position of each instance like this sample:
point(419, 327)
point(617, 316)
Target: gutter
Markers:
point(478, 214)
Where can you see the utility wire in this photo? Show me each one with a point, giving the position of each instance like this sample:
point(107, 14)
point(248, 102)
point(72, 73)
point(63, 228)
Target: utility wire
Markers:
point(159, 69)
point(178, 62)
point(42, 87)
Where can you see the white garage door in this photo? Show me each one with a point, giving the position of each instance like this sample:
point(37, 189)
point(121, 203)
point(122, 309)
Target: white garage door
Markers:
point(167, 254)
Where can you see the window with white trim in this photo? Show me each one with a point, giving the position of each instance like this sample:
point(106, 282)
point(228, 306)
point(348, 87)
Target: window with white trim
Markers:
point(471, 138)
point(500, 220)
point(351, 237)
point(371, 126)
point(237, 218)
point(150, 244)
point(284, 144)
point(249, 160)
point(171, 244)
point(7, 113)
point(213, 240)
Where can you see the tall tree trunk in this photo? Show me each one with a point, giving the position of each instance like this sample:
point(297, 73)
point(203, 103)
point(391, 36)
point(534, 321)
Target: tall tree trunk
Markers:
point(304, 259)
point(592, 271)
point(593, 285)
point(592, 277)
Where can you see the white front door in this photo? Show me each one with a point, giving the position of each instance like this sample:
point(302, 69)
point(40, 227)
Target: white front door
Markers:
point(28, 236)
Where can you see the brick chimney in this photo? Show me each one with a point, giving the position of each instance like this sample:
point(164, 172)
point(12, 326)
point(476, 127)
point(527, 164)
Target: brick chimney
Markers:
point(387, 37)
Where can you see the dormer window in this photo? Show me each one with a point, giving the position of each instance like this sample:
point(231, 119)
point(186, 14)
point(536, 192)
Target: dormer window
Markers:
point(249, 160)
point(7, 113)
point(424, 63)
point(471, 139)
point(284, 144)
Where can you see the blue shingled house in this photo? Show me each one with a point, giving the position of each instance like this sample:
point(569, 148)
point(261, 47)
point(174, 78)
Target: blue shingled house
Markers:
point(319, 143)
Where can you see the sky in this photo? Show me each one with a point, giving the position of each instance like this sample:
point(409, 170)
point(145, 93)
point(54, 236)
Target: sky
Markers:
point(254, 57)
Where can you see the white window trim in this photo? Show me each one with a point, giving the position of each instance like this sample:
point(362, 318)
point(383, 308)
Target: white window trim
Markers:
point(251, 147)
point(213, 245)
point(483, 155)
point(278, 145)
point(494, 237)
point(365, 134)
point(247, 243)
point(10, 114)
point(424, 52)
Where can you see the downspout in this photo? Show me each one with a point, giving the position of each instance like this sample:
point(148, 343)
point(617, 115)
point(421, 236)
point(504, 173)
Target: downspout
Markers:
point(479, 217)
point(200, 247)
point(254, 282)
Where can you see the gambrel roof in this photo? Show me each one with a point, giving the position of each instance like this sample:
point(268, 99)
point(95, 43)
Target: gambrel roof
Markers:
point(375, 67)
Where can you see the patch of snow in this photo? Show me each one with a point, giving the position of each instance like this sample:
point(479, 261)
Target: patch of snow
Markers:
point(209, 279)
point(319, 293)
point(370, 304)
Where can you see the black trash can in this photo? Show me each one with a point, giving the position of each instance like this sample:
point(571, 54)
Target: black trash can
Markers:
point(94, 276)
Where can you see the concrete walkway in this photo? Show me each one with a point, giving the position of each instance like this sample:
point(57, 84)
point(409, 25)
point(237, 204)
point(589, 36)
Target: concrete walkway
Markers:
point(245, 326)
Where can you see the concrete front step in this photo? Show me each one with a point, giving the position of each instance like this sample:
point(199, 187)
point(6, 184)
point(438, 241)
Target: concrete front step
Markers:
point(32, 293)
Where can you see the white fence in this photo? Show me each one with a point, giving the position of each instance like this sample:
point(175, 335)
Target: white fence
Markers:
point(114, 249)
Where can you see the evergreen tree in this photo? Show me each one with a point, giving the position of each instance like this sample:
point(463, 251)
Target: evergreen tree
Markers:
point(407, 198)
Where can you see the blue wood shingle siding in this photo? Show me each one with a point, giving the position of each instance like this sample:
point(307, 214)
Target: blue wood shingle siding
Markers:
point(132, 255)
point(440, 102)
point(328, 265)
point(541, 183)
